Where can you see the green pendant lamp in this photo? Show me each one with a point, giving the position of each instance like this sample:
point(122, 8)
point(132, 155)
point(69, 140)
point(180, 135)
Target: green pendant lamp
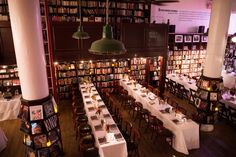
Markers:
point(107, 45)
point(80, 34)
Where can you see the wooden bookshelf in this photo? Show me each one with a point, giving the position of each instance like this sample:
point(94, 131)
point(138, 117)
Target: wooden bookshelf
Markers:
point(230, 56)
point(94, 11)
point(9, 79)
point(186, 54)
point(107, 73)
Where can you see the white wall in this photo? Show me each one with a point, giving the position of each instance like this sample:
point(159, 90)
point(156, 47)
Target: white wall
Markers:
point(188, 15)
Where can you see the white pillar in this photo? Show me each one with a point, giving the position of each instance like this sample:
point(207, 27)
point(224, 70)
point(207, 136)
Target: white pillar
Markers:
point(217, 39)
point(28, 42)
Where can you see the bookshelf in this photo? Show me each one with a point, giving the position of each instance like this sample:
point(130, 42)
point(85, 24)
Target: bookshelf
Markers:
point(138, 68)
point(186, 54)
point(94, 11)
point(9, 80)
point(66, 78)
point(107, 73)
point(230, 56)
point(4, 12)
point(155, 70)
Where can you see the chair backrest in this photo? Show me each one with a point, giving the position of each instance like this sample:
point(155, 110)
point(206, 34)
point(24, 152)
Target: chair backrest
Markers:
point(192, 95)
point(127, 126)
point(139, 106)
point(135, 136)
point(182, 110)
point(91, 152)
point(150, 88)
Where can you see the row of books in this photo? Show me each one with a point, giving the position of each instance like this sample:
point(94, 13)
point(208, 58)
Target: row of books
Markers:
point(85, 65)
point(104, 71)
point(66, 74)
point(65, 66)
point(6, 83)
point(137, 67)
point(67, 81)
point(85, 72)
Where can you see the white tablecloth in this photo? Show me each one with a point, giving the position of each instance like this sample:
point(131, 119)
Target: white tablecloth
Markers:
point(9, 109)
point(3, 140)
point(229, 79)
point(186, 134)
point(114, 148)
point(183, 81)
point(229, 100)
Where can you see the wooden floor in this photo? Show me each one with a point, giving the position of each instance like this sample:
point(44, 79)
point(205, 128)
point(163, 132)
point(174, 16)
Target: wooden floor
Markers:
point(219, 143)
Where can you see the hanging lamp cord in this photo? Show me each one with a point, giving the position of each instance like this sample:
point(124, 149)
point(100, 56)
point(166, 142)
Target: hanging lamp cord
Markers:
point(107, 5)
point(80, 20)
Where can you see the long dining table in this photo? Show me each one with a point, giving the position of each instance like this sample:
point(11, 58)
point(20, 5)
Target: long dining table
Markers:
point(186, 131)
point(183, 80)
point(110, 143)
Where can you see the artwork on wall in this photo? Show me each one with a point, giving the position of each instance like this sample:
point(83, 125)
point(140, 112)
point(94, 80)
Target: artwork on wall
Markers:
point(188, 38)
point(178, 38)
point(196, 38)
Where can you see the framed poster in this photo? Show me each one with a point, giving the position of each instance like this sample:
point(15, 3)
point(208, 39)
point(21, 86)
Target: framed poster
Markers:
point(204, 38)
point(36, 112)
point(48, 108)
point(178, 38)
point(196, 38)
point(40, 141)
point(36, 128)
point(205, 84)
point(188, 38)
point(213, 96)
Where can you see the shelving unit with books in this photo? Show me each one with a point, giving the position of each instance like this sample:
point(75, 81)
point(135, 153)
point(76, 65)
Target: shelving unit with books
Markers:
point(230, 56)
point(9, 79)
point(85, 70)
point(138, 68)
point(66, 78)
point(4, 12)
point(155, 70)
point(186, 54)
point(40, 126)
point(94, 11)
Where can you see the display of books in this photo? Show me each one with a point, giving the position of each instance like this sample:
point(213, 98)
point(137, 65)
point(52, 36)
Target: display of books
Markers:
point(41, 127)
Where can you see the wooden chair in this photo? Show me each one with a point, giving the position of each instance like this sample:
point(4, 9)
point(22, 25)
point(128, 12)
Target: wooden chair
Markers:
point(232, 115)
point(141, 113)
point(182, 110)
point(172, 87)
point(127, 129)
point(181, 91)
point(133, 144)
point(192, 96)
point(149, 87)
point(223, 111)
point(151, 124)
point(167, 84)
point(163, 133)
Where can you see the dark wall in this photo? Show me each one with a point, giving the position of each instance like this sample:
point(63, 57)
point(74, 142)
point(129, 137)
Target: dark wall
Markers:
point(7, 52)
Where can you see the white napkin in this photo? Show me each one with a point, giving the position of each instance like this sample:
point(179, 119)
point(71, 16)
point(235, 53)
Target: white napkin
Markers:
point(110, 137)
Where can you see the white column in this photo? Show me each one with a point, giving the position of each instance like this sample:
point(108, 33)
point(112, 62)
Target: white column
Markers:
point(217, 39)
point(28, 42)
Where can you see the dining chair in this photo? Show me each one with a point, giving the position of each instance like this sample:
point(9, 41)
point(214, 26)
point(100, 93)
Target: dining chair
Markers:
point(163, 133)
point(133, 144)
point(182, 110)
point(192, 96)
point(91, 152)
point(232, 115)
point(223, 111)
